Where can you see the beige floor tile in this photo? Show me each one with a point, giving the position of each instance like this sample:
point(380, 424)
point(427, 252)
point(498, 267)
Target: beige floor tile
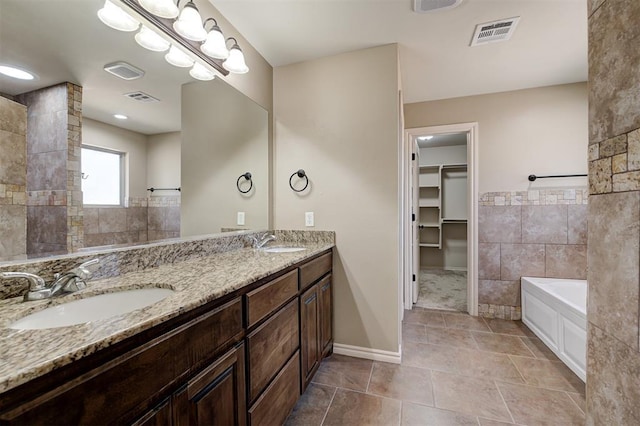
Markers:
point(548, 374)
point(345, 372)
point(579, 400)
point(450, 337)
point(539, 349)
point(516, 328)
point(465, 322)
point(312, 406)
point(355, 408)
point(501, 343)
point(537, 406)
point(424, 317)
point(434, 357)
point(420, 415)
point(490, 366)
point(401, 382)
point(469, 395)
point(414, 332)
point(488, 422)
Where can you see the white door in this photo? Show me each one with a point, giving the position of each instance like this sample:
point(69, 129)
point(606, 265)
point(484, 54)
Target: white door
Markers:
point(415, 209)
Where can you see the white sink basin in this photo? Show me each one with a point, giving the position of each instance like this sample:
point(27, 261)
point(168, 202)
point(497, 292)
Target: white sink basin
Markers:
point(282, 249)
point(91, 309)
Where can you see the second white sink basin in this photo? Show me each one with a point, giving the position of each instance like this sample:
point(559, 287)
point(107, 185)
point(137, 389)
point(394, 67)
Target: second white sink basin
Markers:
point(282, 249)
point(91, 309)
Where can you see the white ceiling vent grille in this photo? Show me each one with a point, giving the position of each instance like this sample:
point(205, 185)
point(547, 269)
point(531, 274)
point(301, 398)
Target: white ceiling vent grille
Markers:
point(492, 32)
point(426, 6)
point(124, 70)
point(141, 97)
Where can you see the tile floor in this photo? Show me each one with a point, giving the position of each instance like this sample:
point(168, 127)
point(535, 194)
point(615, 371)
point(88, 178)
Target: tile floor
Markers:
point(456, 370)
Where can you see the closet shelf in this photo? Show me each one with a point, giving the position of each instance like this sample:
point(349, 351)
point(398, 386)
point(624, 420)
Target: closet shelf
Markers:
point(425, 202)
point(453, 220)
point(429, 225)
point(430, 245)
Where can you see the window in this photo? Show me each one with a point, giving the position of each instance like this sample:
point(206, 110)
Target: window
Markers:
point(102, 176)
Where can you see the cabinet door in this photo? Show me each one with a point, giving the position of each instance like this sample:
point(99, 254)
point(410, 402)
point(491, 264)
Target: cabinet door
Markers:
point(159, 416)
point(309, 336)
point(326, 316)
point(216, 396)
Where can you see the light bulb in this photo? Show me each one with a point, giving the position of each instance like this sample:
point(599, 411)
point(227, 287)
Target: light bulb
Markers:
point(215, 46)
point(178, 58)
point(14, 72)
point(200, 72)
point(189, 23)
point(235, 63)
point(162, 8)
point(116, 18)
point(149, 39)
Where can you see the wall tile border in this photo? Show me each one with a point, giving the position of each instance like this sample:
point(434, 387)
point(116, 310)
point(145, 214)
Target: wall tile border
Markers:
point(536, 197)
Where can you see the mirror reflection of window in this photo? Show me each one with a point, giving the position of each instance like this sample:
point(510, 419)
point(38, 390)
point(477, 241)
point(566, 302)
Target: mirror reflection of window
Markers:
point(102, 176)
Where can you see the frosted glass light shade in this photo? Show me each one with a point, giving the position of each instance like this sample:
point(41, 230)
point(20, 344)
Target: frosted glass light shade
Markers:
point(178, 58)
point(215, 45)
point(150, 40)
point(189, 23)
point(162, 8)
point(235, 63)
point(116, 18)
point(200, 72)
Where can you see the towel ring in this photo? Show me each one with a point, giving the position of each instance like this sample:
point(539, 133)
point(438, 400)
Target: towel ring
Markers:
point(301, 174)
point(247, 176)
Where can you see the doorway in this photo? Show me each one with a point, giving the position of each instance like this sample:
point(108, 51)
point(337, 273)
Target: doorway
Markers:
point(440, 188)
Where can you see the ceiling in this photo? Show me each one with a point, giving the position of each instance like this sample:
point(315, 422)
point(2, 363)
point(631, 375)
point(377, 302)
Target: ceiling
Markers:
point(549, 46)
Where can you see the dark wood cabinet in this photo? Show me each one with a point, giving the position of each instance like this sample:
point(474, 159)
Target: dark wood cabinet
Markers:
point(216, 396)
point(241, 360)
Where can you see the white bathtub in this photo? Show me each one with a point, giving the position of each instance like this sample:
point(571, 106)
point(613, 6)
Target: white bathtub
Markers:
point(556, 311)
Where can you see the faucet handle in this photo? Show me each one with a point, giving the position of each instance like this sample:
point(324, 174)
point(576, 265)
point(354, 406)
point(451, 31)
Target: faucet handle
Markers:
point(36, 282)
point(81, 270)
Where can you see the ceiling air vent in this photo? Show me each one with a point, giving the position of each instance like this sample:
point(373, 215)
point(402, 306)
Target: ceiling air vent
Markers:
point(124, 70)
point(141, 96)
point(426, 6)
point(492, 32)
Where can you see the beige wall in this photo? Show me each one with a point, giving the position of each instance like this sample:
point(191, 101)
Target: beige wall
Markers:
point(163, 160)
point(224, 135)
point(96, 133)
point(539, 131)
point(337, 118)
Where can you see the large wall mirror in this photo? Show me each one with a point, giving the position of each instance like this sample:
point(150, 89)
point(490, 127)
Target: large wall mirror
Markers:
point(199, 136)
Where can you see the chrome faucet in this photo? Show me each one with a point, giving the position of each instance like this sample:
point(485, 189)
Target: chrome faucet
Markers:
point(259, 242)
point(68, 282)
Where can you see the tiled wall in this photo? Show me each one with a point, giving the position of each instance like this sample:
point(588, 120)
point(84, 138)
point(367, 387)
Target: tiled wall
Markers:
point(144, 219)
point(13, 179)
point(540, 233)
point(613, 346)
point(54, 198)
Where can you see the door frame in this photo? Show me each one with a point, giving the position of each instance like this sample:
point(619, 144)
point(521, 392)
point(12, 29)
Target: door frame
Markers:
point(472, 208)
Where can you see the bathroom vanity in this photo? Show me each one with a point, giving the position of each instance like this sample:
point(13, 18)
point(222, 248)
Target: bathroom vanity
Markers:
point(241, 354)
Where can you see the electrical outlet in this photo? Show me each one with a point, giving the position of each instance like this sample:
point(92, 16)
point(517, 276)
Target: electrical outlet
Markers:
point(308, 219)
point(240, 220)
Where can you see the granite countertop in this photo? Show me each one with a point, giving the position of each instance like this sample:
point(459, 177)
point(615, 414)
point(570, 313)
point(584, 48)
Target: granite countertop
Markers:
point(27, 354)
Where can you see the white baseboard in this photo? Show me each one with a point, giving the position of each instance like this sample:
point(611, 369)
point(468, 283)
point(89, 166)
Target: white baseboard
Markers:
point(368, 353)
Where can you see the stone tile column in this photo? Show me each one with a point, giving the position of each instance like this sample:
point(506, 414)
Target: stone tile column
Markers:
point(613, 353)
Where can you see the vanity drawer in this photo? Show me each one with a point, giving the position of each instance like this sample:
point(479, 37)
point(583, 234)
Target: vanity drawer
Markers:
point(275, 404)
point(270, 346)
point(315, 269)
point(265, 299)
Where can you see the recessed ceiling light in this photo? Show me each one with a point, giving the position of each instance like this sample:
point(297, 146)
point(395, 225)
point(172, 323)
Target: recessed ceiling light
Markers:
point(425, 138)
point(16, 72)
point(120, 116)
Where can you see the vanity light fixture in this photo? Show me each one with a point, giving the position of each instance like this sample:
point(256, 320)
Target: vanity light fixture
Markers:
point(235, 62)
point(178, 58)
point(200, 72)
point(189, 23)
point(14, 72)
point(163, 8)
point(116, 18)
point(120, 116)
point(215, 45)
point(150, 40)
